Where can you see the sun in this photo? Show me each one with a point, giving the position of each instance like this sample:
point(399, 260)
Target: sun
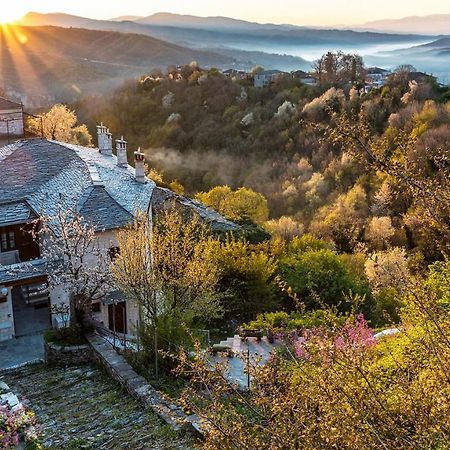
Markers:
point(10, 13)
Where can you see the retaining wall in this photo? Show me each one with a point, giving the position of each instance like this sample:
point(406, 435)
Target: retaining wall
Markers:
point(137, 386)
point(64, 356)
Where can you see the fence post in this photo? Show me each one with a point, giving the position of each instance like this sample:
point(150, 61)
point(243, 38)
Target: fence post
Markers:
point(156, 353)
point(124, 333)
point(138, 331)
point(248, 364)
point(114, 323)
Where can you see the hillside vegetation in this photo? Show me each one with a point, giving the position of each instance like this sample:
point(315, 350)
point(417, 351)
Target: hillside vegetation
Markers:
point(351, 237)
point(207, 130)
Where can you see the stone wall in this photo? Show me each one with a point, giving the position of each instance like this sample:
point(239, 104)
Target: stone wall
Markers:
point(12, 122)
point(6, 320)
point(64, 356)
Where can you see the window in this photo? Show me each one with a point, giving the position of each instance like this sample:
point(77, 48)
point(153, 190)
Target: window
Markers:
point(8, 241)
point(96, 307)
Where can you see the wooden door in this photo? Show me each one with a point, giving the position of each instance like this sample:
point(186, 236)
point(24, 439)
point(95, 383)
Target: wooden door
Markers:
point(117, 317)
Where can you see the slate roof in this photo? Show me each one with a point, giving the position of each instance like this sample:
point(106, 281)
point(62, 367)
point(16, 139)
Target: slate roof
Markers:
point(162, 198)
point(15, 212)
point(98, 207)
point(45, 174)
point(23, 271)
point(38, 176)
point(6, 104)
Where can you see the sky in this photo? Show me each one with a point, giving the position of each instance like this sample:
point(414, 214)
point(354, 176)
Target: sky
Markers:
point(298, 12)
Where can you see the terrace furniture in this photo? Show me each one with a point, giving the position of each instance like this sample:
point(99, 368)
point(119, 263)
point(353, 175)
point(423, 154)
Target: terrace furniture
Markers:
point(246, 333)
point(218, 348)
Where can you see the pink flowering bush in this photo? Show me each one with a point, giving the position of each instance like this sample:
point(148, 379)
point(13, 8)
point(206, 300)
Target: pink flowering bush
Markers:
point(18, 426)
point(351, 340)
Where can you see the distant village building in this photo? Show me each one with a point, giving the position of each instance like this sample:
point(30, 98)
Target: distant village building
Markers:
point(38, 176)
point(11, 119)
point(266, 77)
point(376, 77)
point(235, 74)
point(304, 77)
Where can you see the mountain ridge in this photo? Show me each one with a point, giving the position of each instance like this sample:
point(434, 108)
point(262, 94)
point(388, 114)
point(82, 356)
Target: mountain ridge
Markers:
point(436, 24)
point(292, 31)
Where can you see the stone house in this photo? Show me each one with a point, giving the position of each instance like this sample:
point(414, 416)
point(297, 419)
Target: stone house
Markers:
point(11, 119)
point(376, 78)
point(266, 77)
point(38, 176)
point(304, 77)
point(236, 74)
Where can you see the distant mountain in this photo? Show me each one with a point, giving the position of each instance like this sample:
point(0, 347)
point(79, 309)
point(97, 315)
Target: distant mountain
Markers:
point(33, 19)
point(63, 62)
point(217, 31)
point(249, 43)
point(435, 24)
point(266, 60)
point(439, 43)
point(205, 23)
point(126, 18)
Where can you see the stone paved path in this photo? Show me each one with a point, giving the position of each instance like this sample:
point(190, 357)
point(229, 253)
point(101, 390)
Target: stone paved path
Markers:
point(257, 351)
point(21, 350)
point(81, 408)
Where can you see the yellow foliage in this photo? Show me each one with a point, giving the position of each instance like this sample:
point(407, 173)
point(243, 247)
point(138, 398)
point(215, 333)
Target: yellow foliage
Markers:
point(60, 124)
point(169, 267)
point(241, 204)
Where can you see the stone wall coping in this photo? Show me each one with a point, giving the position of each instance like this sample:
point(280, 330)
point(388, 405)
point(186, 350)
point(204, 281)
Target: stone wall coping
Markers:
point(67, 348)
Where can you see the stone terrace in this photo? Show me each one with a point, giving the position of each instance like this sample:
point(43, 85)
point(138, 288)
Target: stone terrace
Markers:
point(81, 408)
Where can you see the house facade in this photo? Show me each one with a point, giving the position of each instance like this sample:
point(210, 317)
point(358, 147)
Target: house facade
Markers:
point(40, 177)
point(266, 77)
point(11, 119)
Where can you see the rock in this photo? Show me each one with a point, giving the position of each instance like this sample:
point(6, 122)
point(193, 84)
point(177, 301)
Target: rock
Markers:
point(10, 399)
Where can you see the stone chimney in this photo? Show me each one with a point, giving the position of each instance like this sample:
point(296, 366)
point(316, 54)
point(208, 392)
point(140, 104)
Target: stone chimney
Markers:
point(104, 140)
point(121, 149)
point(139, 166)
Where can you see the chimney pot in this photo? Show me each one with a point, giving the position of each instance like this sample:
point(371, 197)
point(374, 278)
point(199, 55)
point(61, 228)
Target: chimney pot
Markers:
point(121, 149)
point(104, 140)
point(139, 159)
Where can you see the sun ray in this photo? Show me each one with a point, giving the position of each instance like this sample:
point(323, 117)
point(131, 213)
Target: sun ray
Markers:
point(14, 55)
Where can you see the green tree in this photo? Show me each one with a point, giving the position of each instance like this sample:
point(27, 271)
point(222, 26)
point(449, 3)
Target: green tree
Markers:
point(247, 278)
point(320, 276)
point(169, 269)
point(337, 386)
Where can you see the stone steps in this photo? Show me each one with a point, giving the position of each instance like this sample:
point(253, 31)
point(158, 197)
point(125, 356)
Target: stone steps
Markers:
point(81, 407)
